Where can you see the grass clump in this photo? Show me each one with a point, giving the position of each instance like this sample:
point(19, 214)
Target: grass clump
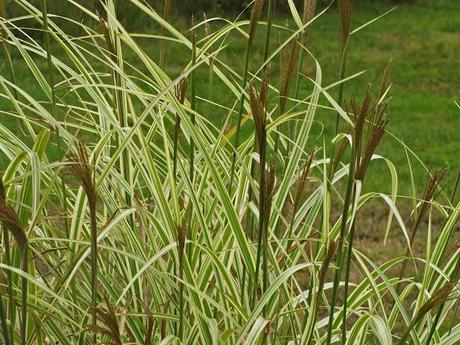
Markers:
point(174, 230)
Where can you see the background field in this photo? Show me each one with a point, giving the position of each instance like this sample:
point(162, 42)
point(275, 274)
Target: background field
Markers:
point(421, 40)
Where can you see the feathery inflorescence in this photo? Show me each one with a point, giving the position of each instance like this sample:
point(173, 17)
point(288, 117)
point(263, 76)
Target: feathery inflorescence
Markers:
point(345, 13)
point(369, 126)
point(256, 12)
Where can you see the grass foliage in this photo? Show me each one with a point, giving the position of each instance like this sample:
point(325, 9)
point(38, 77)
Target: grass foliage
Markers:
point(131, 216)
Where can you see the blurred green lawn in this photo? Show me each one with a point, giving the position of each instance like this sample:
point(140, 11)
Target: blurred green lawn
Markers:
point(423, 45)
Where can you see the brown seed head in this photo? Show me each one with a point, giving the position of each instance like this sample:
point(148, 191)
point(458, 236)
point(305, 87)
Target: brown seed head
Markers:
point(3, 15)
point(369, 126)
point(81, 169)
point(181, 90)
point(255, 16)
point(439, 297)
point(108, 37)
point(181, 237)
point(11, 222)
point(326, 262)
point(309, 10)
point(150, 323)
point(289, 61)
point(300, 186)
point(167, 8)
point(259, 115)
point(110, 326)
point(345, 12)
point(432, 184)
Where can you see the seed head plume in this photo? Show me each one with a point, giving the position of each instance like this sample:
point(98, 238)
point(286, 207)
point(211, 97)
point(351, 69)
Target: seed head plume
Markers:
point(258, 109)
point(181, 90)
point(302, 182)
point(289, 61)
point(181, 237)
point(12, 223)
point(309, 10)
point(430, 188)
point(255, 16)
point(438, 298)
point(167, 8)
point(10, 220)
point(4, 34)
point(150, 323)
point(81, 169)
point(431, 185)
point(111, 327)
point(107, 36)
point(345, 12)
point(385, 84)
point(369, 126)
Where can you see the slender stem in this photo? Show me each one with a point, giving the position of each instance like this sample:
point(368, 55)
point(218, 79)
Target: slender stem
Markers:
point(347, 275)
point(343, 61)
point(339, 260)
